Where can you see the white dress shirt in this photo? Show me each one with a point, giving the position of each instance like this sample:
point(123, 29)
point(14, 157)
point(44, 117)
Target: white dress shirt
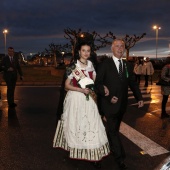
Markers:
point(115, 59)
point(11, 58)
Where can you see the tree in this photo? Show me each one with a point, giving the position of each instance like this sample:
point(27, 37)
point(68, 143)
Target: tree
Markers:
point(130, 41)
point(77, 36)
point(57, 50)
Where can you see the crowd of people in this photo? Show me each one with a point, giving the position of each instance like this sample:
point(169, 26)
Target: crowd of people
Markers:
point(143, 68)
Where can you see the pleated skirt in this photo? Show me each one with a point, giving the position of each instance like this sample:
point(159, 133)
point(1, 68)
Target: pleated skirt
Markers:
point(80, 130)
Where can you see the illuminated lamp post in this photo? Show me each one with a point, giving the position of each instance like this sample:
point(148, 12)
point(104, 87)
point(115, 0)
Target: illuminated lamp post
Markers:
point(5, 31)
point(63, 56)
point(156, 28)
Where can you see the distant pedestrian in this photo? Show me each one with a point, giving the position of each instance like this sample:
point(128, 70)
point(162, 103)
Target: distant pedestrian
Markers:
point(147, 70)
point(10, 67)
point(138, 70)
point(165, 90)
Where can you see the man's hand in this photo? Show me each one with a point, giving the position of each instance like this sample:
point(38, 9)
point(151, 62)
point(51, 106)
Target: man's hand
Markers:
point(104, 118)
point(114, 99)
point(10, 69)
point(140, 103)
point(106, 91)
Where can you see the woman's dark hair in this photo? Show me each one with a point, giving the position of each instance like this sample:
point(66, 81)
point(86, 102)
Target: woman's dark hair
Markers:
point(10, 48)
point(84, 43)
point(78, 47)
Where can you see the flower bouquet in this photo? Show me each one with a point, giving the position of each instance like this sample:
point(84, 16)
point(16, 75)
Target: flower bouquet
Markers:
point(88, 83)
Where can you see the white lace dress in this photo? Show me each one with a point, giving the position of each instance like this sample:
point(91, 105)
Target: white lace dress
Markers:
point(80, 130)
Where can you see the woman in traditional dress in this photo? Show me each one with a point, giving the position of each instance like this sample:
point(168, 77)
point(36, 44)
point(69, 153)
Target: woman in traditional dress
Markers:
point(80, 130)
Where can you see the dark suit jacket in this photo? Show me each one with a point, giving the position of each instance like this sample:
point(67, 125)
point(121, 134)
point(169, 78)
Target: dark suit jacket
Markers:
point(6, 64)
point(107, 75)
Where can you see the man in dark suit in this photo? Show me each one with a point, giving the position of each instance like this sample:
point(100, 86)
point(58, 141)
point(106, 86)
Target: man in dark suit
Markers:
point(117, 76)
point(10, 67)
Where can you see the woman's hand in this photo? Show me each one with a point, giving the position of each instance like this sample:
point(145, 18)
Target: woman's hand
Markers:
point(86, 91)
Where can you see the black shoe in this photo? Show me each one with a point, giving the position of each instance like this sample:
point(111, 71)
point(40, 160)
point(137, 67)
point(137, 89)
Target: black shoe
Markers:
point(122, 165)
point(12, 105)
point(97, 164)
point(164, 115)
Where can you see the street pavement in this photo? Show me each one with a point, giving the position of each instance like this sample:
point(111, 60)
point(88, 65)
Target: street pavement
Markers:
point(26, 132)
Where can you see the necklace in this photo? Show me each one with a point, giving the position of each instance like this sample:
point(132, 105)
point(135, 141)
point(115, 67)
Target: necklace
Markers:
point(83, 63)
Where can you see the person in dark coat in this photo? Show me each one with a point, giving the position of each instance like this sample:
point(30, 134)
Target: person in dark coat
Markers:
point(117, 76)
point(165, 90)
point(11, 67)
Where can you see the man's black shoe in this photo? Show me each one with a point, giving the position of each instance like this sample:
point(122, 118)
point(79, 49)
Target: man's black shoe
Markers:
point(12, 105)
point(97, 165)
point(122, 165)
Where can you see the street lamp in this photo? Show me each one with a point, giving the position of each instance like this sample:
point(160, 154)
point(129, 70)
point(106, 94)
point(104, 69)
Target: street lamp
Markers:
point(5, 31)
point(63, 56)
point(156, 28)
point(82, 35)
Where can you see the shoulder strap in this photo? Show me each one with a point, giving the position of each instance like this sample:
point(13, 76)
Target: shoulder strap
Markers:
point(78, 74)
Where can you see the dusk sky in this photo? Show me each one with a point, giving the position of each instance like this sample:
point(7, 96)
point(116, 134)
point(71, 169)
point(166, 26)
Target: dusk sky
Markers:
point(34, 24)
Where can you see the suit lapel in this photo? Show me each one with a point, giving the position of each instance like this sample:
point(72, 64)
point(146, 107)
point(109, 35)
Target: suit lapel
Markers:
point(9, 59)
point(113, 67)
point(115, 71)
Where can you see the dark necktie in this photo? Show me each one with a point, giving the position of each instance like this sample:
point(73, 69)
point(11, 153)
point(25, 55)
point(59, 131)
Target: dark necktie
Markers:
point(120, 69)
point(11, 59)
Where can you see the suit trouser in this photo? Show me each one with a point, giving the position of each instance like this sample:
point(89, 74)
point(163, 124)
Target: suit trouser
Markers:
point(146, 80)
point(138, 78)
point(11, 83)
point(112, 129)
point(164, 102)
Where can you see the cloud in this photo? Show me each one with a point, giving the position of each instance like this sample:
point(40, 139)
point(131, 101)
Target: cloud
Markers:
point(36, 23)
